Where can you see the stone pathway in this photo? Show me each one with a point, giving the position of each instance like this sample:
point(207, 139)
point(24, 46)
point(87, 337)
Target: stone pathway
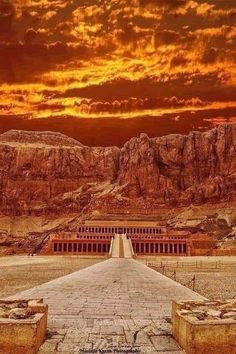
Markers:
point(127, 247)
point(115, 247)
point(113, 305)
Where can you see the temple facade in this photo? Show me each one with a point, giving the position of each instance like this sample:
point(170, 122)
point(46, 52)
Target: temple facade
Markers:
point(147, 238)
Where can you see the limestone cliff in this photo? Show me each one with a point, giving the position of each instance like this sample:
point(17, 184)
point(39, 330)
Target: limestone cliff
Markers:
point(177, 169)
point(49, 173)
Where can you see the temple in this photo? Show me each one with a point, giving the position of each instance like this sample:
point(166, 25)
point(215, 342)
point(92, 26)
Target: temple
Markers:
point(147, 238)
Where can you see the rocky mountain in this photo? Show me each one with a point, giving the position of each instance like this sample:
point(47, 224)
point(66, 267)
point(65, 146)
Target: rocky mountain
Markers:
point(43, 173)
point(48, 180)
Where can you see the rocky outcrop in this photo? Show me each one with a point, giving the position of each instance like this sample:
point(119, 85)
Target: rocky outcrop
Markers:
point(179, 169)
point(39, 171)
point(43, 173)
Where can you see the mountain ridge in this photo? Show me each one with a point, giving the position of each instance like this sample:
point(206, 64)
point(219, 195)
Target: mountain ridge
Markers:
point(48, 172)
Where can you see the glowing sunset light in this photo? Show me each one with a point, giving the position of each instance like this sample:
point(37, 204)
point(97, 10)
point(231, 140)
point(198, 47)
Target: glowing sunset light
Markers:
point(117, 59)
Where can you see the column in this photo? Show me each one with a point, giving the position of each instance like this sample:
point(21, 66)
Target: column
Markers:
point(185, 248)
point(188, 250)
point(168, 248)
point(179, 248)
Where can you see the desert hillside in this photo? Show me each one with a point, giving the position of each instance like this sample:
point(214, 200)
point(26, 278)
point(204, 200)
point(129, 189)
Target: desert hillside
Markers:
point(48, 180)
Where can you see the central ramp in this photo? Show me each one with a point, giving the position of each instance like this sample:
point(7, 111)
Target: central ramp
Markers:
point(118, 303)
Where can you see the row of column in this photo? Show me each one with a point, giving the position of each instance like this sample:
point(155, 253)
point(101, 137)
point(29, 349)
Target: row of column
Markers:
point(94, 237)
point(171, 248)
point(75, 247)
point(121, 230)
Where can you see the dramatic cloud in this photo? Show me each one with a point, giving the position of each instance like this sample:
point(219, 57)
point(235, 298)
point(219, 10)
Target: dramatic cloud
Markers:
point(164, 3)
point(109, 58)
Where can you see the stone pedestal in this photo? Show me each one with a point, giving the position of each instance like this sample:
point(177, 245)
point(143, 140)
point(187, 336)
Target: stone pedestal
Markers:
point(203, 327)
point(21, 336)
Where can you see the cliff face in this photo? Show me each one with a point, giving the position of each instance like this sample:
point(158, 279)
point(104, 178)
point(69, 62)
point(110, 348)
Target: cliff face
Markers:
point(178, 169)
point(35, 170)
point(44, 173)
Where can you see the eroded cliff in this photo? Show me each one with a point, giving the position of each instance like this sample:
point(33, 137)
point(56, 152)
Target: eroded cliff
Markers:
point(48, 173)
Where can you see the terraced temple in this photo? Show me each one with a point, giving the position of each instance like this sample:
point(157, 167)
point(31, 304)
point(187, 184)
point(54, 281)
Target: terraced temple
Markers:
point(95, 237)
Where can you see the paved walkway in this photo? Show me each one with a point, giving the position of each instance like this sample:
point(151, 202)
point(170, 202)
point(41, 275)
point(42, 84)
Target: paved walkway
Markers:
point(115, 247)
point(118, 303)
point(127, 247)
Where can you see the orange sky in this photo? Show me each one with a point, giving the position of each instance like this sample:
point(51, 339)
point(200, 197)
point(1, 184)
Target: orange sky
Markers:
point(117, 59)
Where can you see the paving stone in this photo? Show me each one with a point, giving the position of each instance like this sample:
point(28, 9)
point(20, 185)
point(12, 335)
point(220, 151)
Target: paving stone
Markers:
point(117, 303)
point(114, 330)
point(164, 343)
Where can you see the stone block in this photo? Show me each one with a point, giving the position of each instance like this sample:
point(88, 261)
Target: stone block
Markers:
point(203, 334)
point(25, 335)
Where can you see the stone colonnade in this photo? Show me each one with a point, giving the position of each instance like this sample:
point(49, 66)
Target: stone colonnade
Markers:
point(121, 230)
point(80, 247)
point(172, 248)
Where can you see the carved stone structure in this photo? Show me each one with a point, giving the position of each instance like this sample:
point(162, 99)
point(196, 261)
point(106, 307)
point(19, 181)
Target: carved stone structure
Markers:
point(147, 238)
point(204, 326)
point(23, 325)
